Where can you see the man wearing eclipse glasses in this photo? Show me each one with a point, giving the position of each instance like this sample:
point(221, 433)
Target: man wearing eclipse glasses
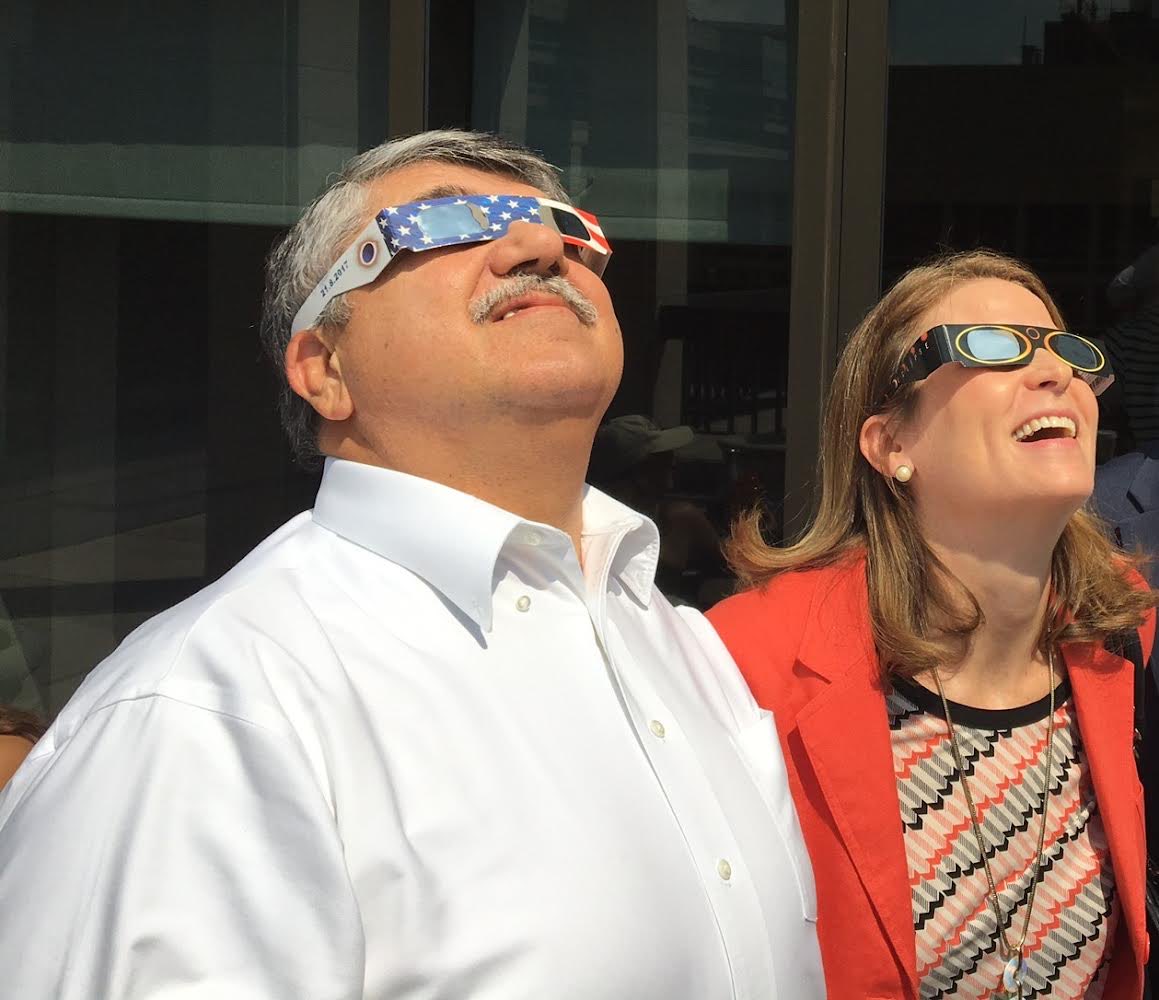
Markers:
point(440, 736)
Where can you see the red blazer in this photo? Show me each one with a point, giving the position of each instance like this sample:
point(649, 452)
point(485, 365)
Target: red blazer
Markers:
point(805, 646)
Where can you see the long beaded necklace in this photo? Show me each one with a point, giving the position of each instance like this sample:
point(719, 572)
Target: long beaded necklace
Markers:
point(1014, 974)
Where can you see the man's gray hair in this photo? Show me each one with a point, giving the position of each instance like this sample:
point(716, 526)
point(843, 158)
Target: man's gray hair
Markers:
point(297, 263)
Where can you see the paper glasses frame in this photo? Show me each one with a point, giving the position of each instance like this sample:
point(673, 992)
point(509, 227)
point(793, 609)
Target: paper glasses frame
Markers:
point(947, 344)
point(380, 240)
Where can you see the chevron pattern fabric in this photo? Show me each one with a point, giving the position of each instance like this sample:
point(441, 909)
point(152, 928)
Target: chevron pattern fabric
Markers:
point(1076, 908)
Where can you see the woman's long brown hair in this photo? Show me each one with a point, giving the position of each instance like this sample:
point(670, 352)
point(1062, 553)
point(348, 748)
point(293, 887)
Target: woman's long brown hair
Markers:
point(922, 615)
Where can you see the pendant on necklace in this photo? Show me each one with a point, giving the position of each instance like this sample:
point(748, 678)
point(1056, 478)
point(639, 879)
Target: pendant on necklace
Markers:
point(1013, 976)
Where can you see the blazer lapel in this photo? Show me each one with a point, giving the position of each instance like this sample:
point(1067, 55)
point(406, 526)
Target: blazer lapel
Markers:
point(1104, 696)
point(845, 732)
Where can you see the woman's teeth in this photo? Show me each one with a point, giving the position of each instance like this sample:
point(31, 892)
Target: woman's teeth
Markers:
point(1032, 427)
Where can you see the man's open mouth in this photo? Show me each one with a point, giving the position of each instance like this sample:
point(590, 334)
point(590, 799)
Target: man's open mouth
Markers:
point(508, 309)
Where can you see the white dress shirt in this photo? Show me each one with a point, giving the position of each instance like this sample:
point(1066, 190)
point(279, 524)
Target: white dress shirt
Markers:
point(407, 748)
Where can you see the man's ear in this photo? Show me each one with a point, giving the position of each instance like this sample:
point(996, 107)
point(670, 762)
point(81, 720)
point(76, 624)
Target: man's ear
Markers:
point(880, 446)
point(315, 373)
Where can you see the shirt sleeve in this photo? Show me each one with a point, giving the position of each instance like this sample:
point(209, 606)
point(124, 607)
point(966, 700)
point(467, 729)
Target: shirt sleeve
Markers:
point(167, 850)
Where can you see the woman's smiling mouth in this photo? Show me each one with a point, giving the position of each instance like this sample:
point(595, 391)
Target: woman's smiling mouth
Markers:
point(1046, 428)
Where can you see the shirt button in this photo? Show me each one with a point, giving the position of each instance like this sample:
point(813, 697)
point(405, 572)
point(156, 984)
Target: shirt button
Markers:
point(724, 869)
point(523, 603)
point(657, 728)
point(534, 538)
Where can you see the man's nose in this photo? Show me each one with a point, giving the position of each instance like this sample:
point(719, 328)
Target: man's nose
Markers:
point(528, 248)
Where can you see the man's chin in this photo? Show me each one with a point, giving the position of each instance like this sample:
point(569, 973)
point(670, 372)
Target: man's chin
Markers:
point(538, 409)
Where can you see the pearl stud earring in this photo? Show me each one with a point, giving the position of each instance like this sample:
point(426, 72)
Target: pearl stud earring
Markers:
point(903, 474)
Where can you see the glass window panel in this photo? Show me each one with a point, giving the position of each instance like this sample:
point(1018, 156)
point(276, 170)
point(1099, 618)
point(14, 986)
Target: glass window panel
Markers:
point(672, 122)
point(673, 117)
point(149, 155)
point(210, 111)
point(1029, 127)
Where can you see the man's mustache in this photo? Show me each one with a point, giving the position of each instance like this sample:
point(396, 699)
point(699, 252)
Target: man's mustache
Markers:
point(485, 305)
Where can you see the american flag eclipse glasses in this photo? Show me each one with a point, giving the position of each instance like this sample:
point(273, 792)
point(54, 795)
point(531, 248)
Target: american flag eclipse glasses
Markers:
point(994, 345)
point(444, 222)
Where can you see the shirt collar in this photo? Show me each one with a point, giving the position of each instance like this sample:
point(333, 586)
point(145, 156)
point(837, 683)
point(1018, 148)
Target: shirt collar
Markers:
point(618, 533)
point(453, 540)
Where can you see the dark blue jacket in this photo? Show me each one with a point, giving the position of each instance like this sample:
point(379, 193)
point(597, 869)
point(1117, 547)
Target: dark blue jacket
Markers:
point(1127, 496)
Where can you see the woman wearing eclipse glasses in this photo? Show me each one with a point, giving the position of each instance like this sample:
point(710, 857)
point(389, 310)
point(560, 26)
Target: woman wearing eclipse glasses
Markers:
point(935, 651)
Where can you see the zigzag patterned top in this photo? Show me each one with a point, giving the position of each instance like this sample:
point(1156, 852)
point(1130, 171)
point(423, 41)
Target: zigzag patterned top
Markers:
point(1076, 908)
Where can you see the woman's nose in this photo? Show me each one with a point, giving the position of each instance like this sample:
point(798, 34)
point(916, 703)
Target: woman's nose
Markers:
point(1047, 370)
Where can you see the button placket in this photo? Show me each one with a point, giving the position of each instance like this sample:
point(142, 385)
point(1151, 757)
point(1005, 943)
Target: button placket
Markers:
point(733, 898)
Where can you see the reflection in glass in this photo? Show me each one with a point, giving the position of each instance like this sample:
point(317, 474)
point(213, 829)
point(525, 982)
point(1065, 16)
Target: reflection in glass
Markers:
point(1030, 127)
point(673, 122)
point(146, 164)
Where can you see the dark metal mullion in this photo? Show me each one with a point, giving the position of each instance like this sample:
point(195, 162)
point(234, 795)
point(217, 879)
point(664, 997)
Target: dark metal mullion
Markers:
point(373, 72)
point(863, 173)
point(816, 233)
point(407, 81)
point(838, 177)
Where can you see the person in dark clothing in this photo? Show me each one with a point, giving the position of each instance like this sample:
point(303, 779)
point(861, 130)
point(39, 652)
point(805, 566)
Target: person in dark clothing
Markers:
point(1133, 346)
point(633, 460)
point(1127, 497)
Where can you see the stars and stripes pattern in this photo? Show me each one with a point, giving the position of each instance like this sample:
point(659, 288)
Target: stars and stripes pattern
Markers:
point(454, 221)
point(402, 225)
point(487, 217)
point(597, 238)
point(1076, 908)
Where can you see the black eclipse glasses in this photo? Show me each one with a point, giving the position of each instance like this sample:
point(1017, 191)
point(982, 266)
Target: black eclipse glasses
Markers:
point(1001, 345)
